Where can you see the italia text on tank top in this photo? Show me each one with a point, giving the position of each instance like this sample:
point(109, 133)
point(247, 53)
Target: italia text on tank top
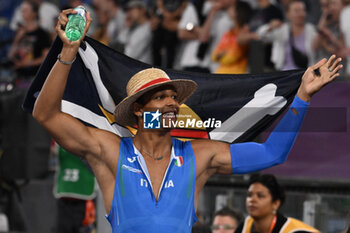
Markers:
point(135, 208)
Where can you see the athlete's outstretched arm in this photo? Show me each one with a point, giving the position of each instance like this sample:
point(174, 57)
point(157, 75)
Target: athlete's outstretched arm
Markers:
point(65, 129)
point(249, 157)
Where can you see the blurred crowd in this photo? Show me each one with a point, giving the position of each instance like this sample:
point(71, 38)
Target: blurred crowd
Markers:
point(216, 36)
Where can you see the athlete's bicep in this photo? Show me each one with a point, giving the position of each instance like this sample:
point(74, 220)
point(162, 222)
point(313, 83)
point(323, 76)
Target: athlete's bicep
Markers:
point(72, 135)
point(222, 158)
point(213, 157)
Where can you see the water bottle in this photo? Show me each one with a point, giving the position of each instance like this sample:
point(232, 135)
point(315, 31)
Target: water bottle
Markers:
point(76, 24)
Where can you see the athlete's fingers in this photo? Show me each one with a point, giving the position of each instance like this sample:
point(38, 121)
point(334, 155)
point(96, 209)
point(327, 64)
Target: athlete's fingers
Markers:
point(335, 64)
point(87, 26)
point(319, 64)
point(330, 61)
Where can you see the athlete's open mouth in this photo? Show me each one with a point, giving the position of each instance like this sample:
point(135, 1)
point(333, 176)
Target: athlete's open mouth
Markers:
point(169, 115)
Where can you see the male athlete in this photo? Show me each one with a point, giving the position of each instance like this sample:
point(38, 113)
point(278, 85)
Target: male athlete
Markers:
point(151, 182)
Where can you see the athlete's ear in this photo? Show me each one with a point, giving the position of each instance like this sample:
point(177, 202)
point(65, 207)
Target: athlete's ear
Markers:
point(137, 109)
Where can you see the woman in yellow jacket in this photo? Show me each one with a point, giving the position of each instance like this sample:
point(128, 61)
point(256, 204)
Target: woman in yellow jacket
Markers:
point(230, 53)
point(264, 198)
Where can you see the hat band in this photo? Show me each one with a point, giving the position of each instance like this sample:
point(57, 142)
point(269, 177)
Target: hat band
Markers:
point(155, 81)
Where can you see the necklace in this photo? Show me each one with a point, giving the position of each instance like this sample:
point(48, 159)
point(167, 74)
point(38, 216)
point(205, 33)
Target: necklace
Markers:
point(149, 154)
point(273, 224)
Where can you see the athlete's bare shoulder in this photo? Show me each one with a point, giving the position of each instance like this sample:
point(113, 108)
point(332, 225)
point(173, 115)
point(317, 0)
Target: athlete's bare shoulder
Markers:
point(210, 155)
point(109, 144)
point(202, 147)
point(104, 135)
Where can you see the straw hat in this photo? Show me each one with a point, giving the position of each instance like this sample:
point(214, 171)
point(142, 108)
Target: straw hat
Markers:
point(143, 82)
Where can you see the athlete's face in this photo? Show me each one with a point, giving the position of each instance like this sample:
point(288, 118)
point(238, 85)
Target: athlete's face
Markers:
point(259, 201)
point(164, 100)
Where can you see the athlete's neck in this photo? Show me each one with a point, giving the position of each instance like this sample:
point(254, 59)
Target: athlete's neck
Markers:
point(154, 143)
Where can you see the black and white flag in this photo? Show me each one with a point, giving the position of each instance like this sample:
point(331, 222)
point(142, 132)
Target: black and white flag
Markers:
point(244, 104)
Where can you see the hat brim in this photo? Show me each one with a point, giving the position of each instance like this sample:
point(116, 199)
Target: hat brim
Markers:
point(123, 113)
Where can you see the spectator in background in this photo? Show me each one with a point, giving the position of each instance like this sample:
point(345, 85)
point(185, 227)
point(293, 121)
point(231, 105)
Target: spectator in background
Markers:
point(230, 53)
point(313, 8)
point(265, 197)
point(164, 23)
point(31, 43)
point(75, 190)
point(137, 35)
point(324, 6)
point(345, 29)
point(264, 14)
point(329, 39)
point(115, 16)
point(101, 33)
point(226, 220)
point(48, 13)
point(216, 23)
point(186, 58)
point(292, 42)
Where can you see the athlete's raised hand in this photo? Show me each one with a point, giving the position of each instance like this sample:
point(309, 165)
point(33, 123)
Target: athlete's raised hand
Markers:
point(62, 22)
point(318, 75)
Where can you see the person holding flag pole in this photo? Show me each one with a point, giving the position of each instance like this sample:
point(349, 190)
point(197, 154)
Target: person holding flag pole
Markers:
point(151, 182)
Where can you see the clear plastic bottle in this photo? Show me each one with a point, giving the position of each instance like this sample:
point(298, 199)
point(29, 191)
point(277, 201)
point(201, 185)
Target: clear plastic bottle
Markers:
point(76, 24)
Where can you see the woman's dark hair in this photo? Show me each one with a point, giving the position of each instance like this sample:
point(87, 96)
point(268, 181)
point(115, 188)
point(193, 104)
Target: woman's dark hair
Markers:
point(270, 182)
point(243, 13)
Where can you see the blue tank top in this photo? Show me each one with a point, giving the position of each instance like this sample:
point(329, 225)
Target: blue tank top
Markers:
point(134, 206)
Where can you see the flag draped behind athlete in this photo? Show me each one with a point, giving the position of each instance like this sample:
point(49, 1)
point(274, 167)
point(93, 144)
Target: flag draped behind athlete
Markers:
point(245, 104)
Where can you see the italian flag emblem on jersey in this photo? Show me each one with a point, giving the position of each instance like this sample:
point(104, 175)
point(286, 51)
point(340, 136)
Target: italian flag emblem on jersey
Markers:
point(179, 161)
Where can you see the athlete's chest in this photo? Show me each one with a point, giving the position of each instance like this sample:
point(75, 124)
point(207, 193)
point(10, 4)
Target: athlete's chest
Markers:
point(157, 173)
point(154, 181)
